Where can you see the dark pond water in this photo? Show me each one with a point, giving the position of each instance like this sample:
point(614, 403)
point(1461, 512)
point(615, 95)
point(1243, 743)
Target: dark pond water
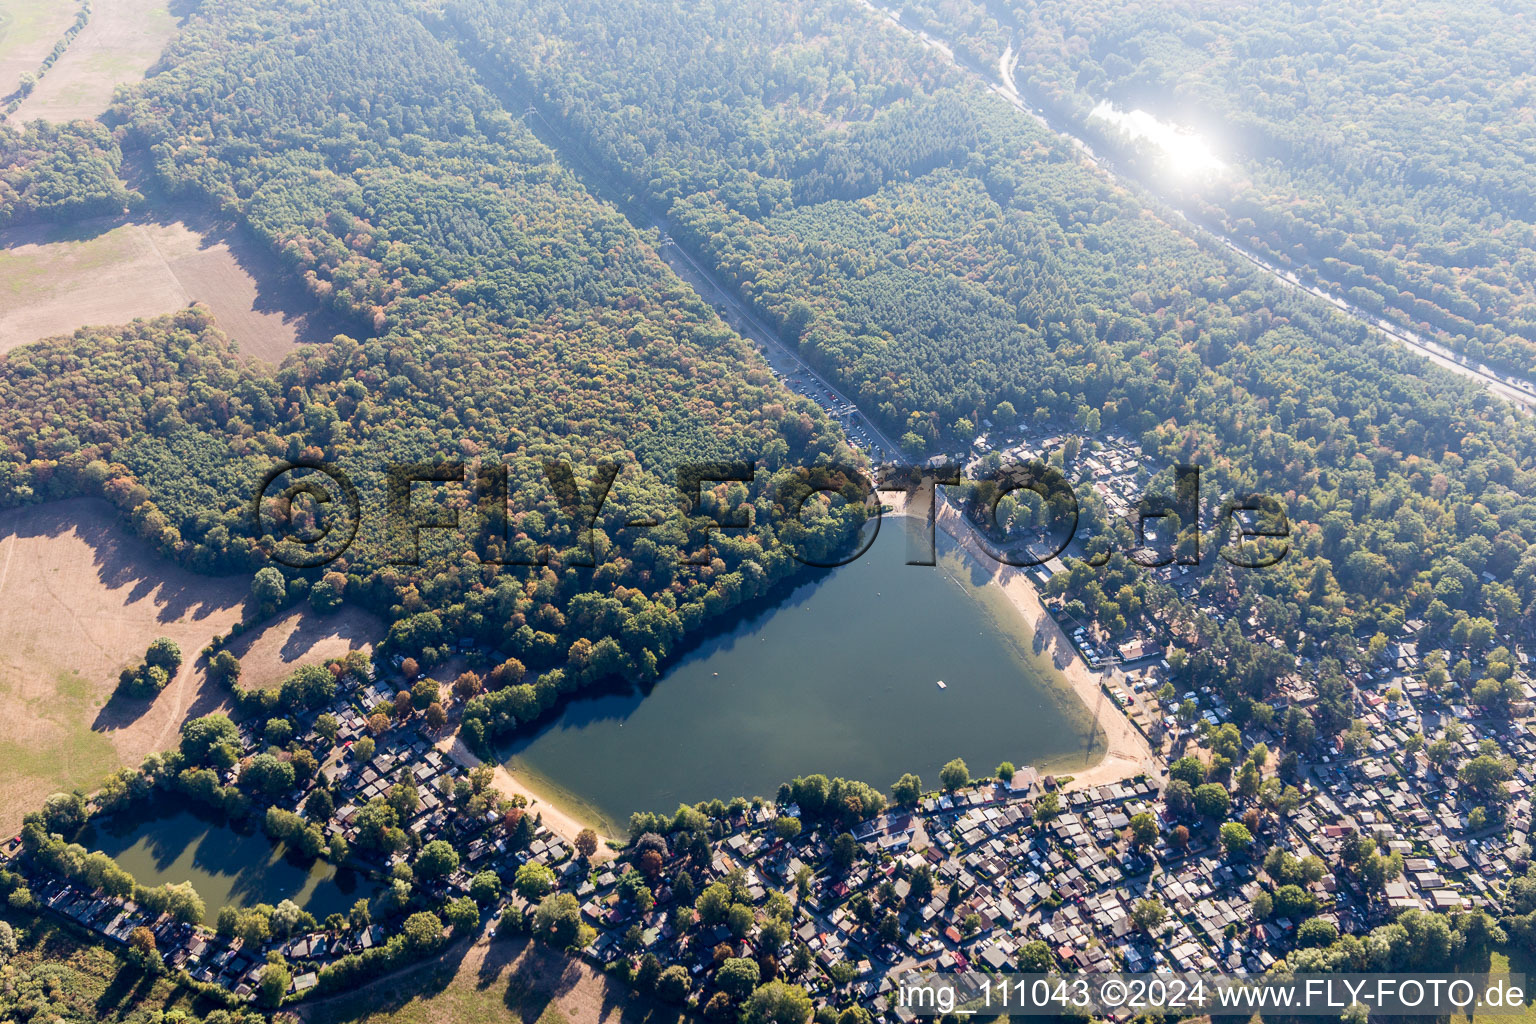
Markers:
point(225, 866)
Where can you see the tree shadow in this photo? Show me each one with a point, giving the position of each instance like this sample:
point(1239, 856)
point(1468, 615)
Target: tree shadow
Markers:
point(356, 627)
point(181, 10)
point(129, 985)
point(209, 698)
point(388, 997)
point(540, 977)
point(124, 560)
point(1522, 961)
point(134, 571)
point(46, 233)
point(120, 711)
point(538, 981)
point(280, 291)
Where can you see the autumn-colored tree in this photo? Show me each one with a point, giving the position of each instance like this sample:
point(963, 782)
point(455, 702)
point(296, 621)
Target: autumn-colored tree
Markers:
point(467, 685)
point(650, 865)
point(436, 716)
point(508, 673)
point(142, 941)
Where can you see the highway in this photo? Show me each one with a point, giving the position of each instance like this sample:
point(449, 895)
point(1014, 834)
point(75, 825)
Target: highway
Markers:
point(1519, 391)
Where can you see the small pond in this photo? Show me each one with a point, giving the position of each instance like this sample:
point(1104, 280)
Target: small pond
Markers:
point(227, 866)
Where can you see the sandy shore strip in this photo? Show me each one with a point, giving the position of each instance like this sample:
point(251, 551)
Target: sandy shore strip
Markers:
point(1127, 752)
point(561, 822)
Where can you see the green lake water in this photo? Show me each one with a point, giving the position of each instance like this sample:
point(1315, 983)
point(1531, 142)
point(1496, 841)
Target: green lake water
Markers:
point(840, 677)
point(225, 866)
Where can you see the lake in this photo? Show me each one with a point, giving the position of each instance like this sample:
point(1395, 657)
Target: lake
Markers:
point(225, 866)
point(840, 677)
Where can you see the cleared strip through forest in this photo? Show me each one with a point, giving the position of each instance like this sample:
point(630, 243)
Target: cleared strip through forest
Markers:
point(709, 284)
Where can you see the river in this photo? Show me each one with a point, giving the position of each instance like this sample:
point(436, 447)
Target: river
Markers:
point(841, 677)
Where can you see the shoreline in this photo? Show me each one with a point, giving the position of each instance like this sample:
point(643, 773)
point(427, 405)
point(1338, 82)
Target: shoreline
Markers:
point(1126, 751)
point(561, 821)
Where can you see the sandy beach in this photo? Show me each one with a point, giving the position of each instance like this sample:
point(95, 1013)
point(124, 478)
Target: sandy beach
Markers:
point(1127, 752)
point(560, 822)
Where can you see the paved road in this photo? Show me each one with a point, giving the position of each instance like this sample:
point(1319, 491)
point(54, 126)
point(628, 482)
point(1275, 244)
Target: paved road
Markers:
point(785, 360)
point(1520, 391)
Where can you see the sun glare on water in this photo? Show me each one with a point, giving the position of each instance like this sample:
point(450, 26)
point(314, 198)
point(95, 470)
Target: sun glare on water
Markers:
point(1181, 149)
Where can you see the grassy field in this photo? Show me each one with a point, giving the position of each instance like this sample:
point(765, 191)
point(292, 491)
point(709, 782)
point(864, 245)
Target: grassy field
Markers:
point(122, 41)
point(80, 599)
point(28, 30)
point(54, 281)
point(1504, 964)
point(506, 981)
point(300, 637)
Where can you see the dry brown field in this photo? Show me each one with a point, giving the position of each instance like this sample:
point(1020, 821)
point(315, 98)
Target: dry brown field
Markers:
point(80, 599)
point(53, 281)
point(118, 46)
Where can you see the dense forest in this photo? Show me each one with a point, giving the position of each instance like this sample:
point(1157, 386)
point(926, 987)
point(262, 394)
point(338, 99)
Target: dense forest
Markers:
point(934, 252)
point(519, 321)
point(1386, 148)
point(983, 274)
point(1014, 275)
point(59, 172)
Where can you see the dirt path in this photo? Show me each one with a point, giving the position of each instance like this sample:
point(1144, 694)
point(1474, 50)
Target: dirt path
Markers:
point(80, 599)
point(178, 707)
point(11, 544)
point(560, 822)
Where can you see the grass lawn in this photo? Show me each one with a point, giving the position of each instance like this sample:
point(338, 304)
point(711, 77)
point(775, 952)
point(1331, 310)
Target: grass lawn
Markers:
point(80, 599)
point(77, 755)
point(23, 23)
point(1504, 963)
point(28, 30)
point(508, 981)
point(119, 44)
